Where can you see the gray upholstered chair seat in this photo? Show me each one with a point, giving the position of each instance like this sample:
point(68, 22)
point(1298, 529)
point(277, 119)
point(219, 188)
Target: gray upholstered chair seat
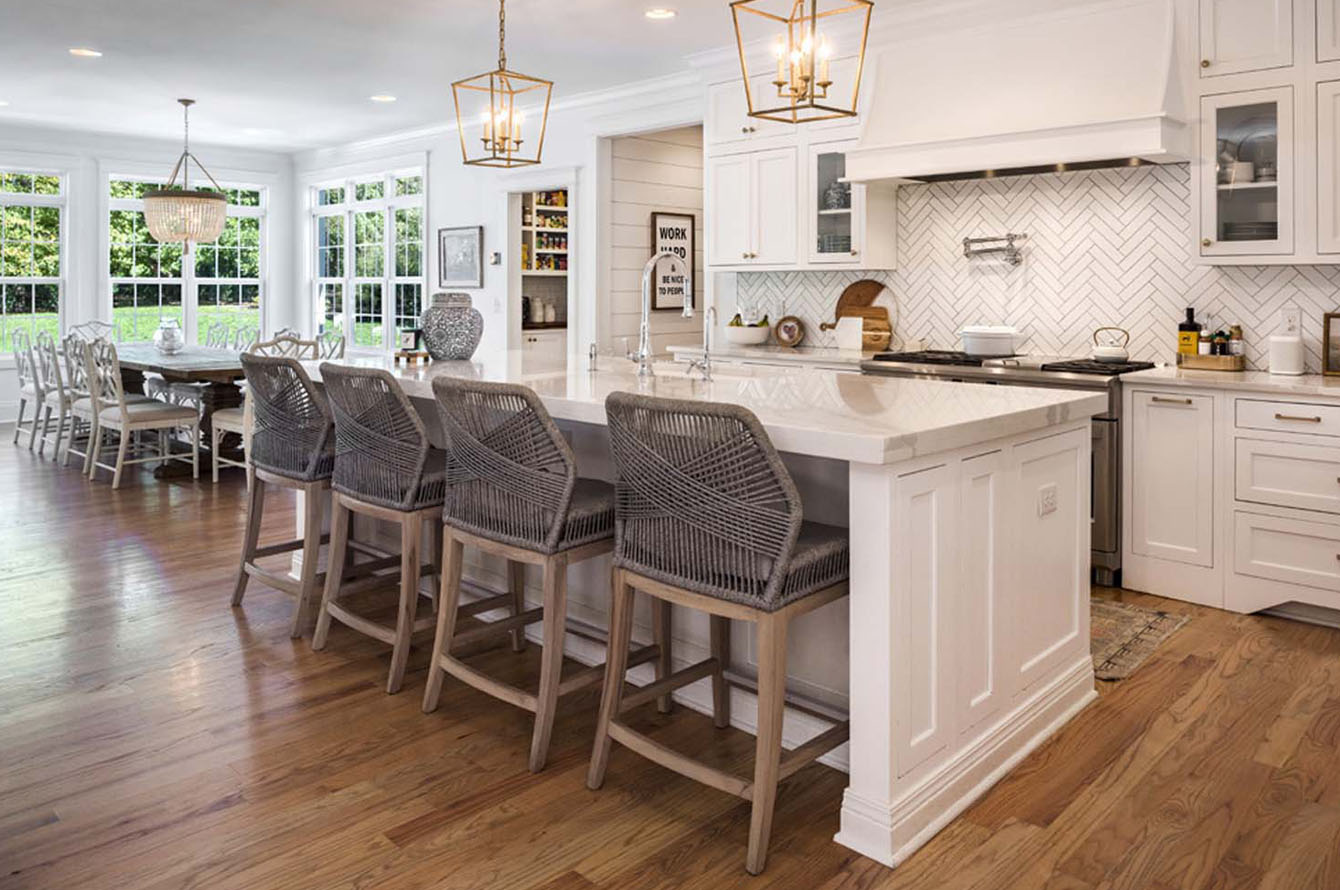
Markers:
point(821, 559)
point(590, 513)
point(137, 411)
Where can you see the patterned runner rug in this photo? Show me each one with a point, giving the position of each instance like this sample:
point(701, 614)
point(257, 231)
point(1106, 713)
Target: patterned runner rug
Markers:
point(1123, 636)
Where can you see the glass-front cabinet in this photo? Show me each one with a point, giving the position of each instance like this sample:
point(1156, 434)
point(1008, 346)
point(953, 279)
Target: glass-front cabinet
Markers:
point(1247, 173)
point(835, 206)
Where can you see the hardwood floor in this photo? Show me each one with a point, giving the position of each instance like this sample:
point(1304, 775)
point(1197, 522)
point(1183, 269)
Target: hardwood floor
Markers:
point(151, 737)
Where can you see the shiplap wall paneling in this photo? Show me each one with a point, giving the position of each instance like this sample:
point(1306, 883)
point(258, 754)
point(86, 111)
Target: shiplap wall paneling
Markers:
point(652, 172)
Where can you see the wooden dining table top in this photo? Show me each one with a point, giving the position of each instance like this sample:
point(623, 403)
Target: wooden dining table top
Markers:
point(192, 363)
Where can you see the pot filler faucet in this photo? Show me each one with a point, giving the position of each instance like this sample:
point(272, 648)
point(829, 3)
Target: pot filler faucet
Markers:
point(643, 354)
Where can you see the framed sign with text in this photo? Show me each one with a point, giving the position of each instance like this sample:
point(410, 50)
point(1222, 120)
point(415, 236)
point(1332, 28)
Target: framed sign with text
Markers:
point(672, 233)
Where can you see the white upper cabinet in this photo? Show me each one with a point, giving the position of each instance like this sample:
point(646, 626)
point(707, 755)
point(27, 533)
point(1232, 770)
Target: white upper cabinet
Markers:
point(776, 209)
point(1328, 167)
point(1247, 173)
point(1328, 30)
point(1245, 35)
point(727, 210)
point(751, 208)
point(728, 122)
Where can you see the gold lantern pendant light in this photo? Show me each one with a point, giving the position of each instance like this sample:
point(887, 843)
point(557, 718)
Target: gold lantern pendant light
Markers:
point(804, 86)
point(490, 105)
point(185, 214)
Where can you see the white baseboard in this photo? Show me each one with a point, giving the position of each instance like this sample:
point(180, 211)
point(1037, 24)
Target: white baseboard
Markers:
point(889, 833)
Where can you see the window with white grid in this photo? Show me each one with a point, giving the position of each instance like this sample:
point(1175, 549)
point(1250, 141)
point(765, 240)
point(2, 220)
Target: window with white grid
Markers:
point(367, 255)
point(32, 217)
point(221, 283)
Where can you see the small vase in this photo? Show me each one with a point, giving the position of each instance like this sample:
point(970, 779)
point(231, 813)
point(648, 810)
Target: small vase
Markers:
point(168, 339)
point(452, 327)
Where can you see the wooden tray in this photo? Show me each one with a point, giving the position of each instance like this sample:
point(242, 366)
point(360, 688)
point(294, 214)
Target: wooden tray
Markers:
point(1212, 362)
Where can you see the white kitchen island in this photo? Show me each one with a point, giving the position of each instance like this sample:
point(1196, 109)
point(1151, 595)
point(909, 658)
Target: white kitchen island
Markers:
point(965, 640)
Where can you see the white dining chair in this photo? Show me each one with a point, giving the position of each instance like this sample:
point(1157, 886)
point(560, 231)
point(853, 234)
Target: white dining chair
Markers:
point(116, 414)
point(30, 386)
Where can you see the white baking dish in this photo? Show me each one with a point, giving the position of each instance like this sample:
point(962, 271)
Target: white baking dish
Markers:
point(988, 340)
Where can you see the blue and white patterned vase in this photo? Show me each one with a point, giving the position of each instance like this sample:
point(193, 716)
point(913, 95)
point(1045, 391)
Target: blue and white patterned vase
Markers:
point(452, 327)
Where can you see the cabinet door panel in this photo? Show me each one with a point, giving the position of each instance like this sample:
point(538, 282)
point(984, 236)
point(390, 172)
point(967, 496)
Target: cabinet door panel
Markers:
point(983, 605)
point(776, 211)
point(1245, 35)
point(728, 210)
point(1289, 550)
point(1247, 173)
point(1328, 167)
point(1172, 477)
point(1328, 30)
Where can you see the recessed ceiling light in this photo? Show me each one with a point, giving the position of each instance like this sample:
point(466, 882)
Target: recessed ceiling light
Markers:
point(3, 104)
point(382, 97)
point(84, 52)
point(660, 13)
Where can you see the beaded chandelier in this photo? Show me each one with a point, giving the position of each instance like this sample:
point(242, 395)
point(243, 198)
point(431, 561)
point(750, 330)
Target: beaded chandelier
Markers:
point(185, 214)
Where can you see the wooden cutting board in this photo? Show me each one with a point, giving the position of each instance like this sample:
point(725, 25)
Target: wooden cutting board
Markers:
point(857, 295)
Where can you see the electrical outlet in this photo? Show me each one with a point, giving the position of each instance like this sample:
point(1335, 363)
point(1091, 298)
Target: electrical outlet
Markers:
point(1047, 496)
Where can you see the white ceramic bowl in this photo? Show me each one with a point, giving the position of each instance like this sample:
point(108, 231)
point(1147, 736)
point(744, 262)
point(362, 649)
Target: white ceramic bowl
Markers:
point(988, 340)
point(747, 336)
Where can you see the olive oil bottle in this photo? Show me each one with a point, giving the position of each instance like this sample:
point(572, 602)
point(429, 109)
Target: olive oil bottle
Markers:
point(1188, 334)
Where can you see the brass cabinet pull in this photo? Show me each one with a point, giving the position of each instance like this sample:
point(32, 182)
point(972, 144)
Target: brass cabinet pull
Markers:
point(1205, 63)
point(855, 253)
point(1168, 401)
point(1206, 242)
point(1279, 416)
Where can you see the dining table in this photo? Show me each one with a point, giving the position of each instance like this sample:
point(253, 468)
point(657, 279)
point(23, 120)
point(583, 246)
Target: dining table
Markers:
point(217, 371)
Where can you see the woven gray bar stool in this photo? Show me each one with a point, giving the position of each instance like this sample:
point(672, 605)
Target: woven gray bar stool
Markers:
point(384, 468)
point(293, 447)
point(708, 517)
point(513, 490)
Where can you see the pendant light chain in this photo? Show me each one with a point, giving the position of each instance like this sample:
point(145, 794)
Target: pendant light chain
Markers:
point(186, 146)
point(502, 35)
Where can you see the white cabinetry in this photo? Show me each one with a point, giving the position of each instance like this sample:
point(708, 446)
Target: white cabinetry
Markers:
point(543, 349)
point(770, 197)
point(751, 208)
point(1265, 185)
point(1233, 498)
point(1245, 35)
point(1172, 477)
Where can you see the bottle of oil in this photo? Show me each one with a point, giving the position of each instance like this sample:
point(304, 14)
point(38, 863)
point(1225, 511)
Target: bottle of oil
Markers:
point(1188, 334)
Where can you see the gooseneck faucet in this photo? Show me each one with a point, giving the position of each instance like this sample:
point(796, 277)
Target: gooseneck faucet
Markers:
point(643, 354)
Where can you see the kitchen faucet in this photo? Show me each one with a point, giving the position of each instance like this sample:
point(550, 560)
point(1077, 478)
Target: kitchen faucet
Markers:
point(704, 364)
point(643, 354)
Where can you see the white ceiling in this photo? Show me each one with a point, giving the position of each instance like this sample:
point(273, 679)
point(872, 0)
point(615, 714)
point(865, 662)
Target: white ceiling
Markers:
point(298, 73)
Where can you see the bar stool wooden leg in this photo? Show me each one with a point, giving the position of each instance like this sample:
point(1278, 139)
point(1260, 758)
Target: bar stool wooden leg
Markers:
point(255, 508)
point(410, 532)
point(551, 660)
point(616, 665)
point(449, 594)
point(340, 520)
point(516, 583)
point(432, 521)
point(720, 636)
point(768, 753)
point(660, 632)
point(311, 548)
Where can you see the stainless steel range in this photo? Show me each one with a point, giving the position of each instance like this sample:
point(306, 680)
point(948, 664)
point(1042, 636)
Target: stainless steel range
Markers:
point(1047, 371)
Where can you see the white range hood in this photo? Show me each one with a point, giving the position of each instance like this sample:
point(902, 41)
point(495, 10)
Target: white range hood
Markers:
point(1094, 82)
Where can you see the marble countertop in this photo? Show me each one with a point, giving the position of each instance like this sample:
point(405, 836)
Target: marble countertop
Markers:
point(830, 414)
point(1240, 381)
point(800, 355)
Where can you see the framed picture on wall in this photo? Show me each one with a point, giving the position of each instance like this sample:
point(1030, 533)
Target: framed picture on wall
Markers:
point(460, 256)
point(672, 233)
point(1330, 349)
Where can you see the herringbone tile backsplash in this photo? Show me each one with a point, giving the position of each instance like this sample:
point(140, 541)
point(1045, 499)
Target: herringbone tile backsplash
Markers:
point(1105, 247)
